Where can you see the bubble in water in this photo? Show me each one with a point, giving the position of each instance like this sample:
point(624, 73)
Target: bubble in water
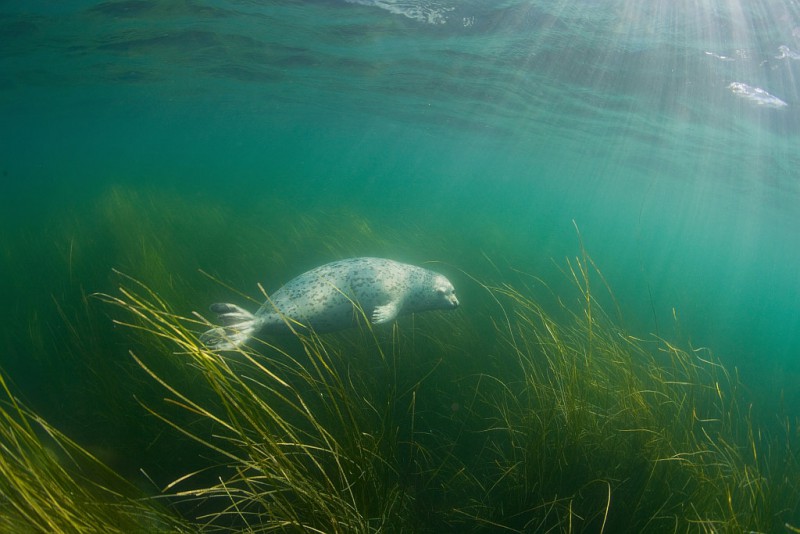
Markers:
point(422, 10)
point(786, 52)
point(757, 95)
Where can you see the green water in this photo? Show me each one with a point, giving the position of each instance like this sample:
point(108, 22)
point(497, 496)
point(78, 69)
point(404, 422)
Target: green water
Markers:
point(255, 140)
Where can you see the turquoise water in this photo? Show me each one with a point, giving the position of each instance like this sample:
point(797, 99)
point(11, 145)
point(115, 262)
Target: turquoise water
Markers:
point(456, 131)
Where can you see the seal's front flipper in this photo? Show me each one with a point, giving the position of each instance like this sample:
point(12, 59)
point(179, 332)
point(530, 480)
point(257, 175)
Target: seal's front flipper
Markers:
point(385, 313)
point(237, 327)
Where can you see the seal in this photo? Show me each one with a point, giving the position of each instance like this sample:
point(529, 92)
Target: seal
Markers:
point(329, 297)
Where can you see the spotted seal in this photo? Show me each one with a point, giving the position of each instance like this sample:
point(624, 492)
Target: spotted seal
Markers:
point(323, 299)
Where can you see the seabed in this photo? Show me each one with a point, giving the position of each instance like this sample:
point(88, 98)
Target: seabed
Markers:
point(527, 410)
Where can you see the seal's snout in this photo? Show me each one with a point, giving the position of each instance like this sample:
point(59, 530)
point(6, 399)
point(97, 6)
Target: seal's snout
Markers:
point(454, 301)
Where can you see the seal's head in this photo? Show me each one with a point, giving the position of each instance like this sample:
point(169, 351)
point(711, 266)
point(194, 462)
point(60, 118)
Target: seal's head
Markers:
point(445, 293)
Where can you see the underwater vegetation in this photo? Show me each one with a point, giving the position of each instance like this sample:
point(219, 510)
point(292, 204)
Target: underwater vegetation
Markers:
point(530, 409)
point(48, 483)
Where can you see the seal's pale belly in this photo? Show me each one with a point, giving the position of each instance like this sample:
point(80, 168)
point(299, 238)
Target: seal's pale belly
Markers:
point(331, 297)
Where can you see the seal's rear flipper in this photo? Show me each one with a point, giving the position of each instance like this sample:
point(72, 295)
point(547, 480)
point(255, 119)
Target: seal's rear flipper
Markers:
point(237, 327)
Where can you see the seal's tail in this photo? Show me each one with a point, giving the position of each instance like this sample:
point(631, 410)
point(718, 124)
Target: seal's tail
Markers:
point(237, 327)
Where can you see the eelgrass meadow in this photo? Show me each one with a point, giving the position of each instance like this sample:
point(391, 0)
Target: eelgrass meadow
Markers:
point(527, 410)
